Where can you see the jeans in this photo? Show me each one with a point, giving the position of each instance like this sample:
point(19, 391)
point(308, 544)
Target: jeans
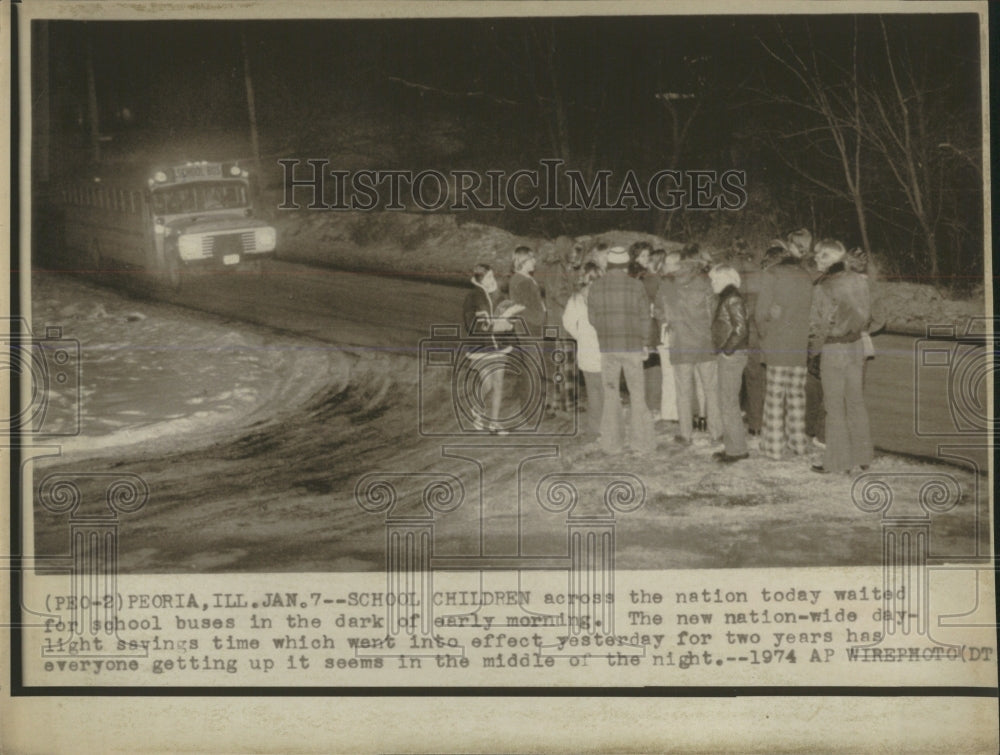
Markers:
point(815, 413)
point(668, 392)
point(613, 363)
point(684, 379)
point(653, 377)
point(730, 369)
point(848, 436)
point(595, 401)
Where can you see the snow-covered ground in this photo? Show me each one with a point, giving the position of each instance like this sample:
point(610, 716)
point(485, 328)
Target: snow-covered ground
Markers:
point(153, 375)
point(252, 442)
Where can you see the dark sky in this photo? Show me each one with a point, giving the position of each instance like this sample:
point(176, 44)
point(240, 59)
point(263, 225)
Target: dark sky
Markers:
point(504, 93)
point(158, 68)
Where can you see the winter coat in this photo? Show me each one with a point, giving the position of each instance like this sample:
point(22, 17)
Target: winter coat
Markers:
point(558, 280)
point(577, 323)
point(524, 290)
point(730, 328)
point(685, 302)
point(619, 311)
point(752, 279)
point(477, 315)
point(841, 308)
point(782, 314)
point(651, 282)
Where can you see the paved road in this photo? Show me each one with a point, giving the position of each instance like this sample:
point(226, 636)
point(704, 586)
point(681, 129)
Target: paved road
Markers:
point(276, 491)
point(919, 404)
point(913, 411)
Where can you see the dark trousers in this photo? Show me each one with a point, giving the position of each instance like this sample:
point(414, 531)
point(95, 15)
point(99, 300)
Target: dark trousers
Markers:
point(653, 378)
point(815, 412)
point(754, 381)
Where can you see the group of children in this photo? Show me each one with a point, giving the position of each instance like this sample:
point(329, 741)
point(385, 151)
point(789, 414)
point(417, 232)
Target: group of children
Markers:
point(755, 344)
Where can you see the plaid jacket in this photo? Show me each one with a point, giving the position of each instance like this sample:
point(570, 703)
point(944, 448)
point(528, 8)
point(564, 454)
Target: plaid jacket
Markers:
point(619, 311)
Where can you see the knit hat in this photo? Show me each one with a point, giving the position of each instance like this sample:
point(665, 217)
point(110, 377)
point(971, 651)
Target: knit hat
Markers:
point(617, 256)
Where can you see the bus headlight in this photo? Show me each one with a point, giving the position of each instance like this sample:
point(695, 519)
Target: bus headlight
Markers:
point(266, 239)
point(189, 246)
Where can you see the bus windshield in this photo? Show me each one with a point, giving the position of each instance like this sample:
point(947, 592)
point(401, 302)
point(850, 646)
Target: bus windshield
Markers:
point(199, 197)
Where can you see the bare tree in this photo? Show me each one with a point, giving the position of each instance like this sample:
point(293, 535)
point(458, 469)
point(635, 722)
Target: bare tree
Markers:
point(903, 150)
point(687, 89)
point(897, 124)
point(682, 111)
point(833, 118)
point(251, 107)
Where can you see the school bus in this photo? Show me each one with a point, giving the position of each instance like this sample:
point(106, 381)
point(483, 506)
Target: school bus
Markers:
point(195, 214)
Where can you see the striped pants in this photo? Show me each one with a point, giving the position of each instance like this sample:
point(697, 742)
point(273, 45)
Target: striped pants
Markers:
point(784, 411)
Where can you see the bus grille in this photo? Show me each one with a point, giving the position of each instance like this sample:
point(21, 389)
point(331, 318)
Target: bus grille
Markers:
point(228, 243)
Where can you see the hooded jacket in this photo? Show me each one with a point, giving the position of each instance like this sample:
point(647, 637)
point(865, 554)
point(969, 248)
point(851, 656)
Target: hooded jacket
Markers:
point(685, 302)
point(782, 314)
point(841, 308)
point(478, 311)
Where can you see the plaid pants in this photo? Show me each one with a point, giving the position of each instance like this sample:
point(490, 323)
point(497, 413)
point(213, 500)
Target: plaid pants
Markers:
point(784, 411)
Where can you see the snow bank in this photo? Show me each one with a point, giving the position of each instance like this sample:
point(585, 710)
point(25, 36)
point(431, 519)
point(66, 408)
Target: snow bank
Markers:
point(442, 246)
